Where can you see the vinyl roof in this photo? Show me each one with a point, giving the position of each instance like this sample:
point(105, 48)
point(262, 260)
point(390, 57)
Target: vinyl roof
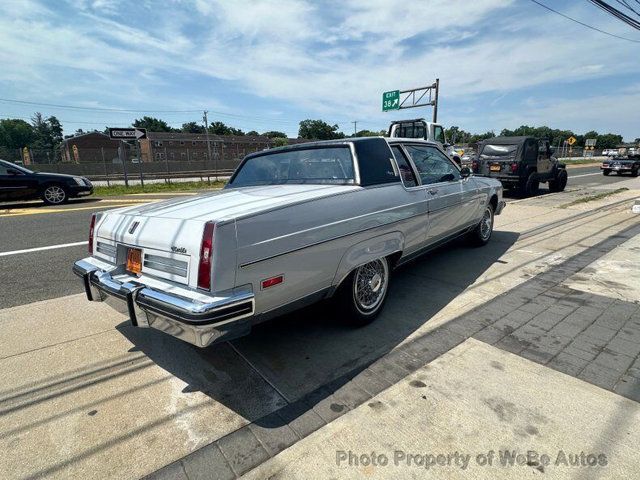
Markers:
point(507, 140)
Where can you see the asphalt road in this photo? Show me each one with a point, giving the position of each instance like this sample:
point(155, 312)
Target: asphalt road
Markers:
point(35, 275)
point(27, 272)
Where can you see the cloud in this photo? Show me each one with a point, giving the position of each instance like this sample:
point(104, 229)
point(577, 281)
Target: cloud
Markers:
point(329, 59)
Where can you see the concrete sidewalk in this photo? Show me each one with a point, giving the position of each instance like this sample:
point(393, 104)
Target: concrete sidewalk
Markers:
point(475, 412)
point(551, 388)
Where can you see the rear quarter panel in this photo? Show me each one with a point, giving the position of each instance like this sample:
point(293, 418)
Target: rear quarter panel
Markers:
point(307, 242)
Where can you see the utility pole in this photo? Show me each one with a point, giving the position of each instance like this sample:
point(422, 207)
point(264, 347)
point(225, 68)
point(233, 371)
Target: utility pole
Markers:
point(355, 130)
point(206, 132)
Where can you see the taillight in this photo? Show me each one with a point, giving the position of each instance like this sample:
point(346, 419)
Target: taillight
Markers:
point(514, 167)
point(92, 228)
point(206, 256)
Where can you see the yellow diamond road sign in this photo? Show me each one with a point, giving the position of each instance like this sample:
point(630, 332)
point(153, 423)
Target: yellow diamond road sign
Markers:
point(571, 140)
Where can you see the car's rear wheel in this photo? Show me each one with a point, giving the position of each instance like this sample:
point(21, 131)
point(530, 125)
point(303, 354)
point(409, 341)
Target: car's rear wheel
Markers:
point(606, 172)
point(481, 235)
point(364, 291)
point(532, 185)
point(559, 183)
point(54, 194)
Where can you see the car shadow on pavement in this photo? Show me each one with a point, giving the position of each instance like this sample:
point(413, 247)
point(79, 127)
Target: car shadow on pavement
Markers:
point(311, 352)
point(515, 194)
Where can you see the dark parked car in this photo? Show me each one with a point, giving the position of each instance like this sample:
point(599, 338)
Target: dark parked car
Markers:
point(520, 162)
point(621, 165)
point(19, 183)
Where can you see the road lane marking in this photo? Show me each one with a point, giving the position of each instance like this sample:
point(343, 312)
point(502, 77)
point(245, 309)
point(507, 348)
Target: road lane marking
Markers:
point(159, 194)
point(39, 249)
point(21, 212)
point(585, 175)
point(116, 200)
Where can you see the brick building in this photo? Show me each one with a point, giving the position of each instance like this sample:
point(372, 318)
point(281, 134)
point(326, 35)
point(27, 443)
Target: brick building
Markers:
point(226, 150)
point(88, 148)
point(168, 147)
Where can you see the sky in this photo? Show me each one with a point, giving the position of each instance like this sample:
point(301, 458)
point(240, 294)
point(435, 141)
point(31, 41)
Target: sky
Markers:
point(267, 64)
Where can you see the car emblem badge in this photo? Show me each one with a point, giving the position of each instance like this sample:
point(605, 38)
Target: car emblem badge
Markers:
point(133, 227)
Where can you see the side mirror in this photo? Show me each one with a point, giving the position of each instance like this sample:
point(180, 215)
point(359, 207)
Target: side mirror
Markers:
point(465, 172)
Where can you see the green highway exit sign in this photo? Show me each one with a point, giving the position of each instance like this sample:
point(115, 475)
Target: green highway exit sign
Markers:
point(391, 100)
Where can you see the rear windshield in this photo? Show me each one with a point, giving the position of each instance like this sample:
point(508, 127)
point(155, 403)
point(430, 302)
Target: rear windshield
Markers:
point(313, 165)
point(499, 151)
point(410, 130)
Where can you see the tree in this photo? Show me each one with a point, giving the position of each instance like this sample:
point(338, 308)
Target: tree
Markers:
point(274, 134)
point(318, 130)
point(457, 135)
point(153, 124)
point(236, 131)
point(47, 132)
point(15, 133)
point(219, 128)
point(192, 127)
point(253, 133)
point(366, 133)
point(56, 130)
point(280, 142)
point(476, 137)
point(608, 140)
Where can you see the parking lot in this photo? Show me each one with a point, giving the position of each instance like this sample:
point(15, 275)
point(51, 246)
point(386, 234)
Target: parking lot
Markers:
point(84, 391)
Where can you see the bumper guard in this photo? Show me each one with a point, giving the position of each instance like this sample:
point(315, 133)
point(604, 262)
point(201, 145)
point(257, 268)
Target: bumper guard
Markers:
point(223, 318)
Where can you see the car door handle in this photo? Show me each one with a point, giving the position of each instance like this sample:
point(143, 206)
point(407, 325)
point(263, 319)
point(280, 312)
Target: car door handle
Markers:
point(433, 191)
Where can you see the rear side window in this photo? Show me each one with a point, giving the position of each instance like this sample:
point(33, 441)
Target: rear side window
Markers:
point(438, 134)
point(406, 172)
point(531, 151)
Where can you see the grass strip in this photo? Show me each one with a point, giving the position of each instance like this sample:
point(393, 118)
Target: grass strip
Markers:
point(117, 190)
point(597, 196)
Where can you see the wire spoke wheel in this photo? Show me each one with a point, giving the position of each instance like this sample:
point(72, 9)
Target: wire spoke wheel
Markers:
point(55, 194)
point(486, 224)
point(370, 285)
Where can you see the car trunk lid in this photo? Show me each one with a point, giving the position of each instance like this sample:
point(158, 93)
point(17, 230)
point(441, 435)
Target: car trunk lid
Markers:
point(169, 232)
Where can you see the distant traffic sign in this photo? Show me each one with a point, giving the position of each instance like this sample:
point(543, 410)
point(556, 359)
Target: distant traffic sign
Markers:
point(391, 100)
point(127, 133)
point(571, 140)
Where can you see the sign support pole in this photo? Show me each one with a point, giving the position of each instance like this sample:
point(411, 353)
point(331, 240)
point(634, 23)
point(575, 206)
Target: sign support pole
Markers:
point(123, 153)
point(139, 155)
point(435, 102)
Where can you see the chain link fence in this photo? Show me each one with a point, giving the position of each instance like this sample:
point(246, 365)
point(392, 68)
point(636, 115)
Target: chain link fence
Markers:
point(108, 165)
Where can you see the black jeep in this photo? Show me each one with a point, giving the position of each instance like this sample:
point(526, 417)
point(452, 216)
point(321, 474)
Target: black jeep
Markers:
point(520, 163)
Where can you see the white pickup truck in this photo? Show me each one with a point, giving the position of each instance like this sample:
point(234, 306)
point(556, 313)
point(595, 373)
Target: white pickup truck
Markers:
point(420, 128)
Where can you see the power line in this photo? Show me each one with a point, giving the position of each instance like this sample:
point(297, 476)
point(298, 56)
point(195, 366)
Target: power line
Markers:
point(625, 4)
point(584, 24)
point(616, 13)
point(253, 118)
point(94, 109)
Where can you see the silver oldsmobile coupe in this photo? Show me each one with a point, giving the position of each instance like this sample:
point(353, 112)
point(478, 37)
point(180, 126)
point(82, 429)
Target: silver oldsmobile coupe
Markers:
point(293, 225)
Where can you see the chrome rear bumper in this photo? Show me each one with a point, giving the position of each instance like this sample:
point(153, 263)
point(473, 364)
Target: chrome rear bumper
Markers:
point(201, 323)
